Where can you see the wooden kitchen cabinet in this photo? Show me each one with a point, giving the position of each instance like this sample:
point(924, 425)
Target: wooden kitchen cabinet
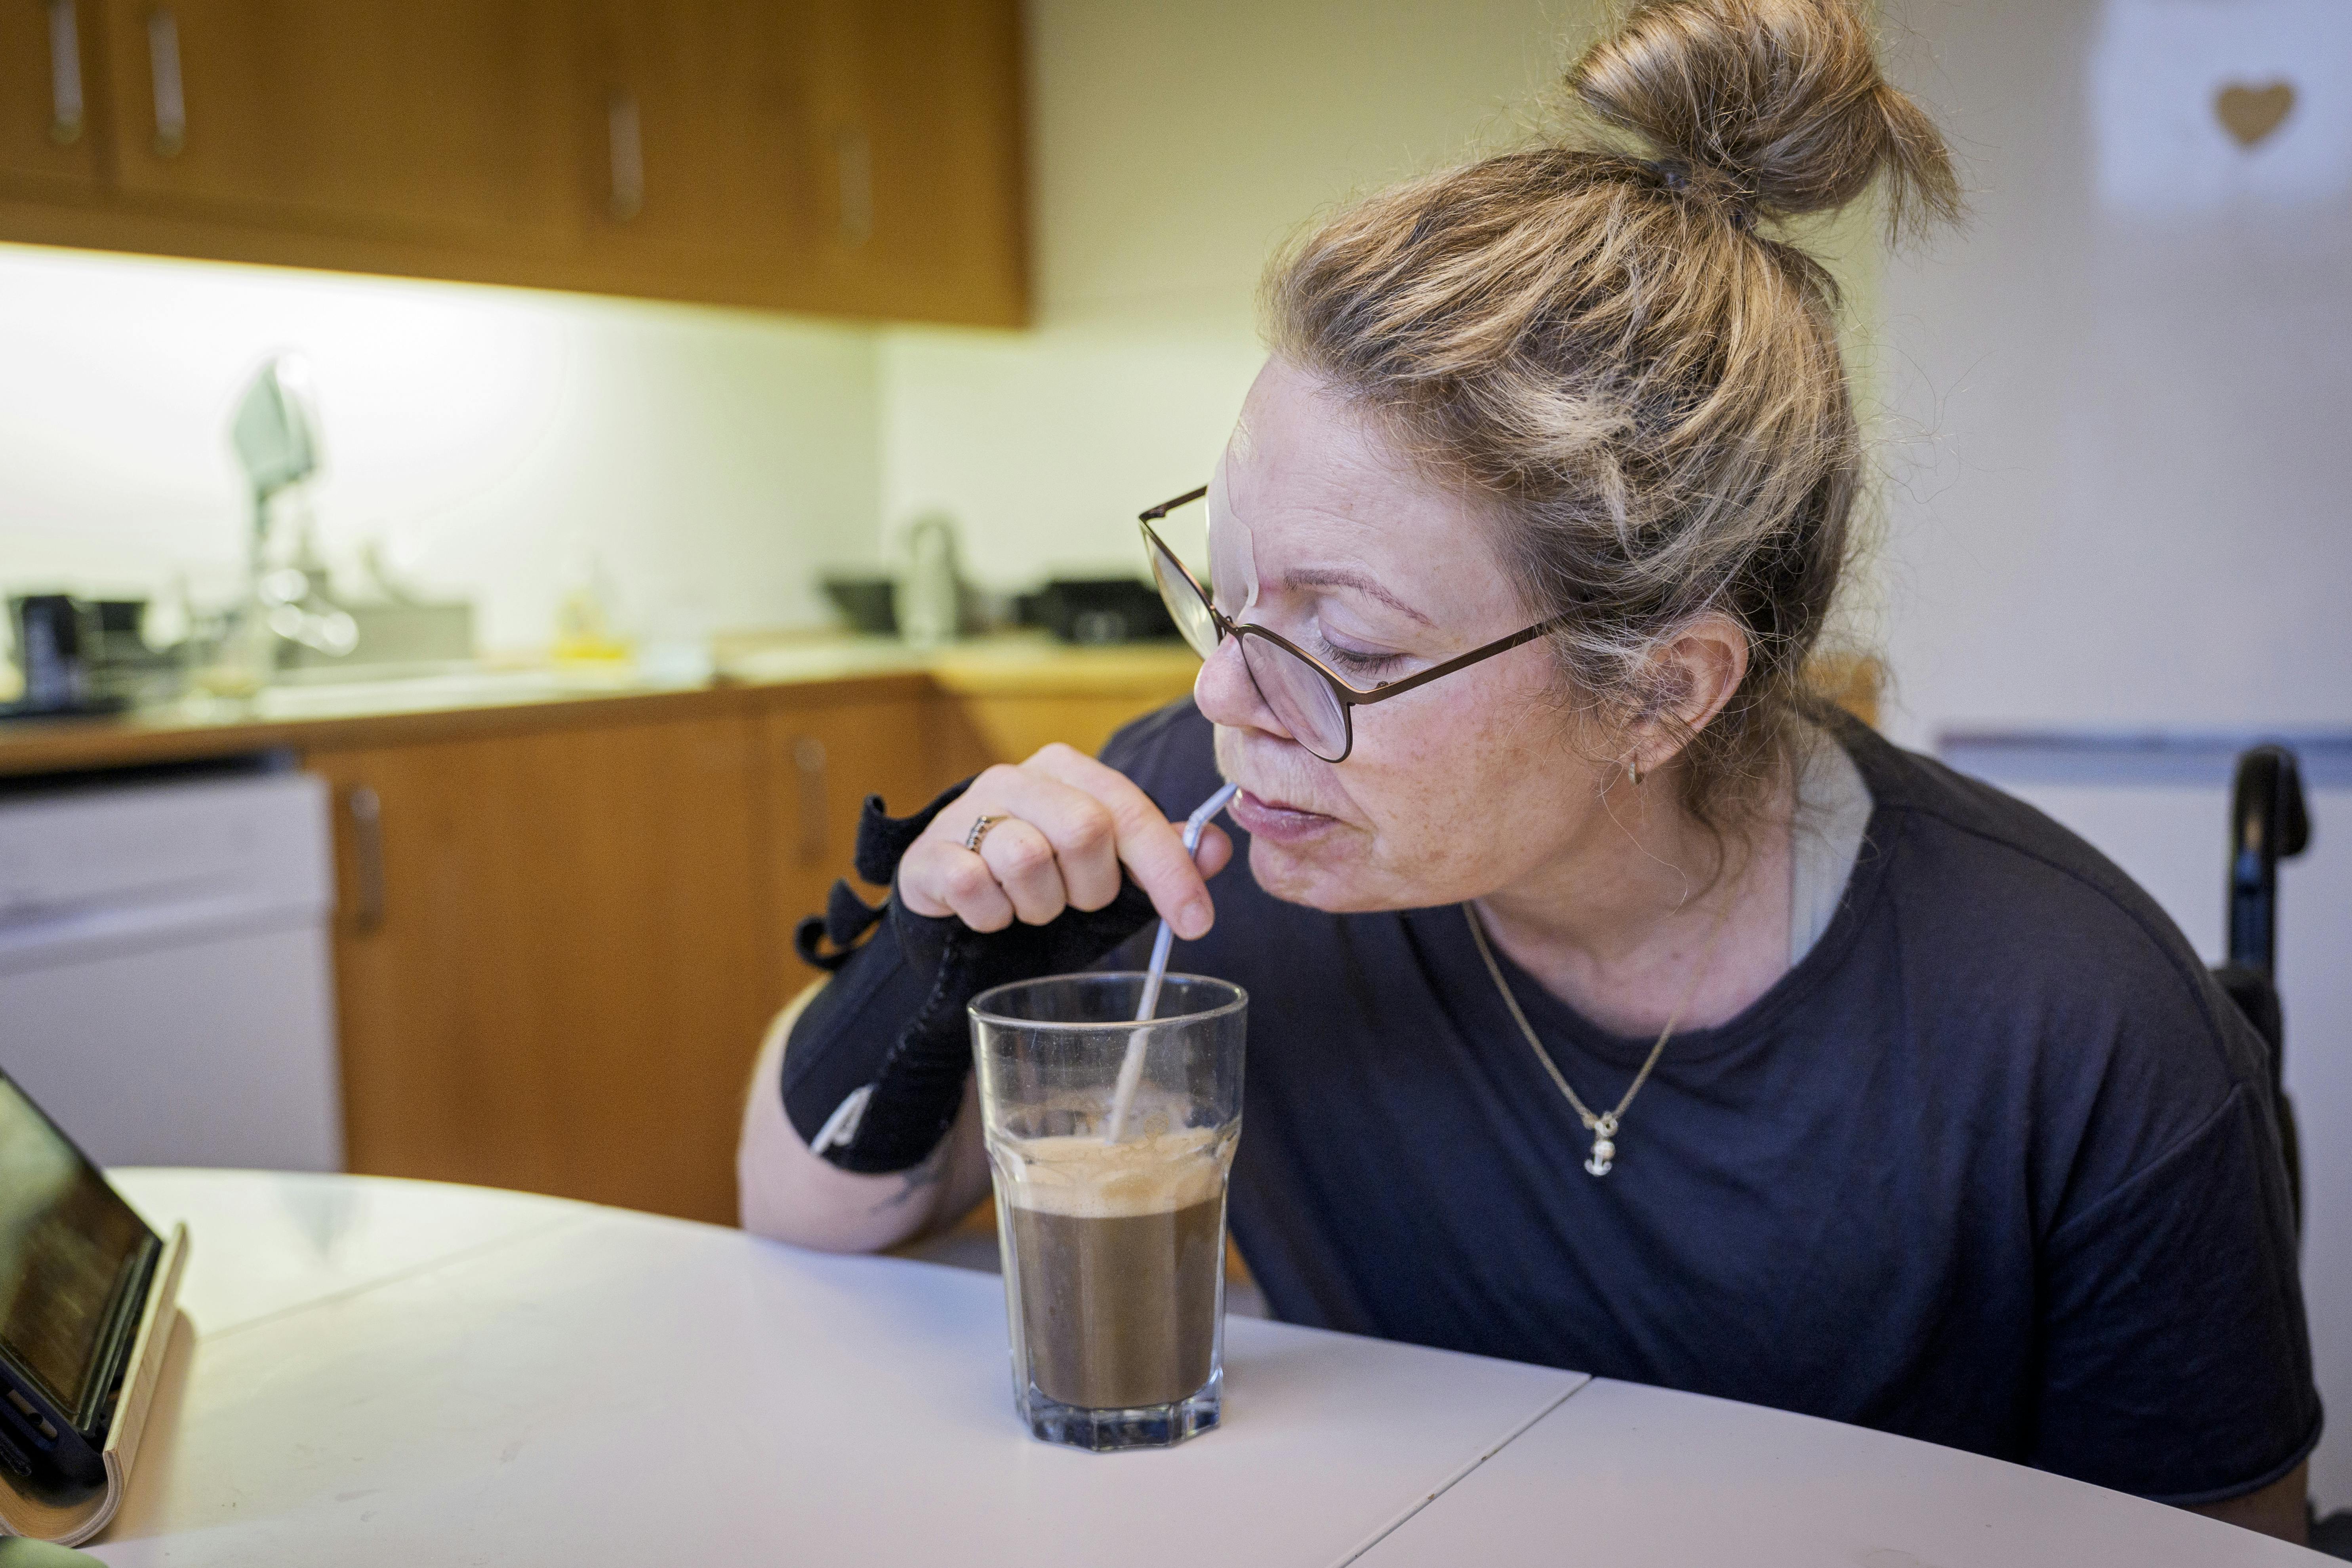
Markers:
point(919, 107)
point(48, 149)
point(702, 159)
point(441, 121)
point(861, 156)
point(550, 958)
point(820, 761)
point(852, 156)
point(557, 947)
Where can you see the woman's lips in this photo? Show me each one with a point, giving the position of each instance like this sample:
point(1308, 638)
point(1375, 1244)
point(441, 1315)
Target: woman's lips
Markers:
point(1273, 819)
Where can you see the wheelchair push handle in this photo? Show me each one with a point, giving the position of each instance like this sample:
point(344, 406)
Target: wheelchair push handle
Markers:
point(2269, 822)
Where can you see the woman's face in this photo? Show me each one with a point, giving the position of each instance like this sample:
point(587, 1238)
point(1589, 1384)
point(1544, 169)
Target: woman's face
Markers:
point(1456, 790)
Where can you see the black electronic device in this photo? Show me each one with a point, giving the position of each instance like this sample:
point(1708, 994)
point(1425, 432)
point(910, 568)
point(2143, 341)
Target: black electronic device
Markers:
point(1099, 610)
point(54, 635)
point(75, 1265)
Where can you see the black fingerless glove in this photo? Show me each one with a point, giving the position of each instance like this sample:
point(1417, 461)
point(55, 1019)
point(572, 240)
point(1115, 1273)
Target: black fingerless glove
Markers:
point(874, 1071)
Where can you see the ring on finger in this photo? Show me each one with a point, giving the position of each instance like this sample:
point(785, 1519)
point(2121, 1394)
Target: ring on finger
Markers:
point(1022, 859)
point(979, 830)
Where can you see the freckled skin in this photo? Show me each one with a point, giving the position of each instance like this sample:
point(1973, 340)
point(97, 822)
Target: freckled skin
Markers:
point(1478, 785)
point(1435, 774)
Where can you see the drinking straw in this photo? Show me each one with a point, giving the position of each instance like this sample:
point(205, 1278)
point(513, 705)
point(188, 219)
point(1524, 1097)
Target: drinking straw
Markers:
point(1131, 1068)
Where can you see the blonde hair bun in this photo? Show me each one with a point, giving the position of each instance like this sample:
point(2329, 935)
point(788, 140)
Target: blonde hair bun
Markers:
point(1777, 106)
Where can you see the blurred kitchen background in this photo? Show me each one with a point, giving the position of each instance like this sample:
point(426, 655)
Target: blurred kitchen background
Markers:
point(715, 461)
point(590, 341)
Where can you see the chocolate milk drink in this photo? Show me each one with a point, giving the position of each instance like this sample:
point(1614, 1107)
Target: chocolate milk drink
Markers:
point(1119, 1256)
point(1110, 1137)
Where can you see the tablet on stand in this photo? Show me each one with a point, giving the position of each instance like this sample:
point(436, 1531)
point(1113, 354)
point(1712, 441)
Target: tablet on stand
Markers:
point(87, 1300)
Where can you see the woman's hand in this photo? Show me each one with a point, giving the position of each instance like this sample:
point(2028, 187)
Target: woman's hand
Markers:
point(1066, 825)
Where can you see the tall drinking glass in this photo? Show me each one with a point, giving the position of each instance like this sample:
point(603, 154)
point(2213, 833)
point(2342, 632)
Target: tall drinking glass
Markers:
point(1114, 1252)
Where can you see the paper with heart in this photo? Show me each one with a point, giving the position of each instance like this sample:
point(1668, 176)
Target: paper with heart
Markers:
point(2250, 113)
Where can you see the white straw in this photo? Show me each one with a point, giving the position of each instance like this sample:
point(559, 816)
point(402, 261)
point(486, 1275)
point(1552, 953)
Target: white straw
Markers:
point(1130, 1069)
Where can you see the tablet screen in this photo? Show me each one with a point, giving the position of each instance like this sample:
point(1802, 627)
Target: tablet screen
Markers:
point(66, 1244)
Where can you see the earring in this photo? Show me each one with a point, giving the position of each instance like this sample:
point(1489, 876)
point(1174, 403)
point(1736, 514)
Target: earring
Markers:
point(1634, 772)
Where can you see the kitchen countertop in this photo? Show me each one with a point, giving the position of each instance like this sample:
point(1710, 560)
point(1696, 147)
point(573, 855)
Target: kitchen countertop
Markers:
point(313, 714)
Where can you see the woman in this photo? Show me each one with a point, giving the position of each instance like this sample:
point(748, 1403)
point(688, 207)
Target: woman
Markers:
point(1611, 1005)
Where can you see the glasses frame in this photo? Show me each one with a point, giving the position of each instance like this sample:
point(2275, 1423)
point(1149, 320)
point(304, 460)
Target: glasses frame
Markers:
point(1350, 698)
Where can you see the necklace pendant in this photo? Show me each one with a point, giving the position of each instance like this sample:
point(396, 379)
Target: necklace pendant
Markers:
point(1604, 1146)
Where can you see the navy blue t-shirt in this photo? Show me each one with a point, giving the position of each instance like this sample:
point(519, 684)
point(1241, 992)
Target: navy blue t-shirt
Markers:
point(1993, 1166)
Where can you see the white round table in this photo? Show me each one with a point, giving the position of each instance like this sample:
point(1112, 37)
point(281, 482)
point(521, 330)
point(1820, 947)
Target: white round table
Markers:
point(400, 1373)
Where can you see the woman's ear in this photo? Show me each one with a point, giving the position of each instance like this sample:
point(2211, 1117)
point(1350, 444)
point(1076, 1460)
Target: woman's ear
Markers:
point(1695, 674)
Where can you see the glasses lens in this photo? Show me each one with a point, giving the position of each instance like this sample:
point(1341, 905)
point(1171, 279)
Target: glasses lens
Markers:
point(1183, 597)
point(1300, 697)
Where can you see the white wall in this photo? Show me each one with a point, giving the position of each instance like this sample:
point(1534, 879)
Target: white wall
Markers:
point(2126, 383)
point(710, 458)
point(1173, 147)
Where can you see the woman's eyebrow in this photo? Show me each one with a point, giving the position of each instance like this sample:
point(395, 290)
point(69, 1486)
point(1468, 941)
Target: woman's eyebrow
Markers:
point(1348, 577)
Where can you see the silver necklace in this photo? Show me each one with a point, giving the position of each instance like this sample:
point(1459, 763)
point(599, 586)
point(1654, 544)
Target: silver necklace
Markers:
point(1603, 1126)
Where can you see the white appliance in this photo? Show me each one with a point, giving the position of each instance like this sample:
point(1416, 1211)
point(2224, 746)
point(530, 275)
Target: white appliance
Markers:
point(2117, 518)
point(166, 991)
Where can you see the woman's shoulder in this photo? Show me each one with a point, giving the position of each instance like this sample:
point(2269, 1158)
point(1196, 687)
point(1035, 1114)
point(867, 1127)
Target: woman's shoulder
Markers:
point(2033, 967)
point(2000, 903)
point(2008, 879)
point(1986, 853)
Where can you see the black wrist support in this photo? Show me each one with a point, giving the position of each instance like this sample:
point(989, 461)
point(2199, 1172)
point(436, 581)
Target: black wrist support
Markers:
point(874, 1069)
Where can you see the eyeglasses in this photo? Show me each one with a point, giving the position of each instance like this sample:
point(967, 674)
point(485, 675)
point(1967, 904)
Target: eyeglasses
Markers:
point(1312, 703)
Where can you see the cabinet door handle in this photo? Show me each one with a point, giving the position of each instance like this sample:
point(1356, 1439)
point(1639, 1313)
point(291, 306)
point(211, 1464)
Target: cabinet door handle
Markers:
point(65, 74)
point(628, 155)
point(808, 764)
point(366, 809)
point(163, 66)
point(853, 153)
